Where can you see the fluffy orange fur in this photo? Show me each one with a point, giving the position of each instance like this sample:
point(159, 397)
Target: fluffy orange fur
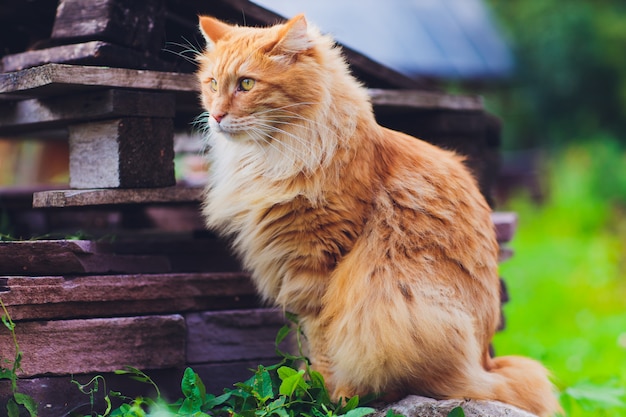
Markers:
point(380, 242)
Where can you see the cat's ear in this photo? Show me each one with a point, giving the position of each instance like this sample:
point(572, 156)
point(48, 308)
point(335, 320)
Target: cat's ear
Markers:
point(213, 30)
point(294, 37)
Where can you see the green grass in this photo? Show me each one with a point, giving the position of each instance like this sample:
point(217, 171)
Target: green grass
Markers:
point(567, 280)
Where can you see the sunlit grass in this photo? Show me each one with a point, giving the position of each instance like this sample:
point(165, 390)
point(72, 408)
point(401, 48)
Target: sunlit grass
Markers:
point(567, 280)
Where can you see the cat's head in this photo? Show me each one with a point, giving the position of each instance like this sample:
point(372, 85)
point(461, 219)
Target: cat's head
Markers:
point(258, 83)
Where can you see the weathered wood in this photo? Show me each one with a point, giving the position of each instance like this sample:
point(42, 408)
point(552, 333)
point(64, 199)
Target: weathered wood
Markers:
point(122, 153)
point(60, 257)
point(37, 114)
point(224, 336)
point(52, 79)
point(424, 100)
point(50, 297)
point(136, 24)
point(66, 347)
point(506, 225)
point(87, 53)
point(98, 197)
point(55, 79)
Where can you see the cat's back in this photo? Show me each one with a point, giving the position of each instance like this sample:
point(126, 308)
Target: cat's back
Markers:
point(429, 198)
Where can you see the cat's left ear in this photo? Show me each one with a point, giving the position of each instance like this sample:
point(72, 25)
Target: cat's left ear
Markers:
point(213, 30)
point(294, 37)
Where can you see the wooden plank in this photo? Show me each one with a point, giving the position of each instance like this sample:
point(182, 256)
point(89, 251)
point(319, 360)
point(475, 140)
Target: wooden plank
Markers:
point(99, 197)
point(62, 297)
point(66, 347)
point(424, 100)
point(506, 225)
point(122, 153)
point(72, 257)
point(124, 255)
point(54, 79)
point(225, 336)
point(37, 114)
point(200, 254)
point(88, 53)
point(138, 24)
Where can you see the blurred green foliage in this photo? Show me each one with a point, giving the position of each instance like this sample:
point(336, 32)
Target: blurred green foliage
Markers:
point(567, 279)
point(570, 78)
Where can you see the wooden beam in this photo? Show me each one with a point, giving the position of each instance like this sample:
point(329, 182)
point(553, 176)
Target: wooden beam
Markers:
point(99, 197)
point(91, 53)
point(137, 24)
point(424, 100)
point(63, 297)
point(64, 347)
point(59, 257)
point(53, 79)
point(48, 113)
point(226, 336)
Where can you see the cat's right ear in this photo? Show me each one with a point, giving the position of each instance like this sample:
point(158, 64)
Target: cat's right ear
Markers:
point(213, 30)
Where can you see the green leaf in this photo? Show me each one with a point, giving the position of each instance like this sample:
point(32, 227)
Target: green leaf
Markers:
point(138, 375)
point(13, 410)
point(317, 382)
point(360, 412)
point(123, 410)
point(8, 323)
point(28, 403)
point(6, 374)
point(292, 317)
point(456, 412)
point(278, 407)
point(292, 379)
point(282, 334)
point(391, 413)
point(285, 372)
point(263, 385)
point(214, 401)
point(194, 391)
point(351, 404)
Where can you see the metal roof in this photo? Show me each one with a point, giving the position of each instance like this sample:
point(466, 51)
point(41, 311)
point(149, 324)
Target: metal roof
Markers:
point(439, 38)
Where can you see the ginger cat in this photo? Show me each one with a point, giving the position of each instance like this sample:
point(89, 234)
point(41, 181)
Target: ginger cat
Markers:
point(381, 243)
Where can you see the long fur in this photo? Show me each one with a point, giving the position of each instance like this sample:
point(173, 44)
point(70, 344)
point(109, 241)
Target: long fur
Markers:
point(380, 242)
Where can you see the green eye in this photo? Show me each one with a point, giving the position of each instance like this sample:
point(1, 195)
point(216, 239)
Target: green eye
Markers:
point(246, 84)
point(213, 84)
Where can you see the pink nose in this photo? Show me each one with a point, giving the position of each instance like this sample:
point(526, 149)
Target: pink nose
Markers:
point(218, 116)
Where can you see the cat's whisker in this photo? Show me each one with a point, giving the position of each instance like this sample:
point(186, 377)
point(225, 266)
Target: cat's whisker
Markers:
point(290, 135)
point(288, 150)
point(293, 115)
point(316, 128)
point(302, 103)
point(263, 136)
point(187, 47)
point(258, 136)
point(201, 123)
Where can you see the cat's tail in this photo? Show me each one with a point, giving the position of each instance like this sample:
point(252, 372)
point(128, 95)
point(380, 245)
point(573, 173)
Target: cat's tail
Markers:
point(524, 383)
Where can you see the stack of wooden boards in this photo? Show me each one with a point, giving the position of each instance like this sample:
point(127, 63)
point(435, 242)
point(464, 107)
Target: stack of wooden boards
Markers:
point(155, 298)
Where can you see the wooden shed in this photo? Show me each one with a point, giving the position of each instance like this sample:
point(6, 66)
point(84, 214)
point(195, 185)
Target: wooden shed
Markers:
point(143, 284)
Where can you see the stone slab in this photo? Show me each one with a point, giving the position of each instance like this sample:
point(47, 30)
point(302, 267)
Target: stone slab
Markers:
point(65, 347)
point(415, 406)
